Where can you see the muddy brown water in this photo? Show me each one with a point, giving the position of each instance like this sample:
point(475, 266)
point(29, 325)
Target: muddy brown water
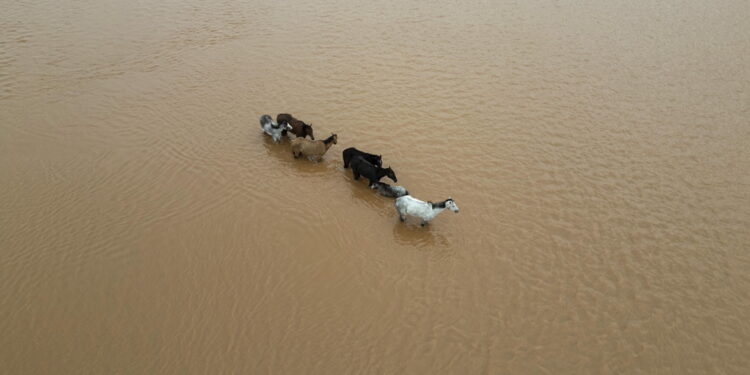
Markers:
point(598, 152)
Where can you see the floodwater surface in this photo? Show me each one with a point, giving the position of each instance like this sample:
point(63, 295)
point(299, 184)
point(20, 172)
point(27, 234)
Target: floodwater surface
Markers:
point(598, 152)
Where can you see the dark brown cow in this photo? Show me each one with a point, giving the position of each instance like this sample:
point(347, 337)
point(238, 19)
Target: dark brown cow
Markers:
point(299, 128)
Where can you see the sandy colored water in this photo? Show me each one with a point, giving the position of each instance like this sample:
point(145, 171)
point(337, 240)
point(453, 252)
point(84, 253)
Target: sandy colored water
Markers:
point(598, 152)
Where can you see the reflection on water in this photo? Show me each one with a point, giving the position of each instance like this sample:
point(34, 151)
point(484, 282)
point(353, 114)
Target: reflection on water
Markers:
point(361, 192)
point(281, 150)
point(598, 152)
point(427, 237)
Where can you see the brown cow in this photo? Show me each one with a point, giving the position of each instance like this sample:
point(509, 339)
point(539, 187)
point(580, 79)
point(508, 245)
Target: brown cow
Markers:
point(313, 150)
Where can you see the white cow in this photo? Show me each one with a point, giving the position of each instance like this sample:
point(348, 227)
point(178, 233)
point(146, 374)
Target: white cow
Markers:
point(408, 205)
point(273, 129)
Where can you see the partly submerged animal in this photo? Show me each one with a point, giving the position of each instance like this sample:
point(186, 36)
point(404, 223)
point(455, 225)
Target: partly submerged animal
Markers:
point(273, 129)
point(391, 191)
point(313, 150)
point(351, 152)
point(299, 128)
point(362, 167)
point(408, 205)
